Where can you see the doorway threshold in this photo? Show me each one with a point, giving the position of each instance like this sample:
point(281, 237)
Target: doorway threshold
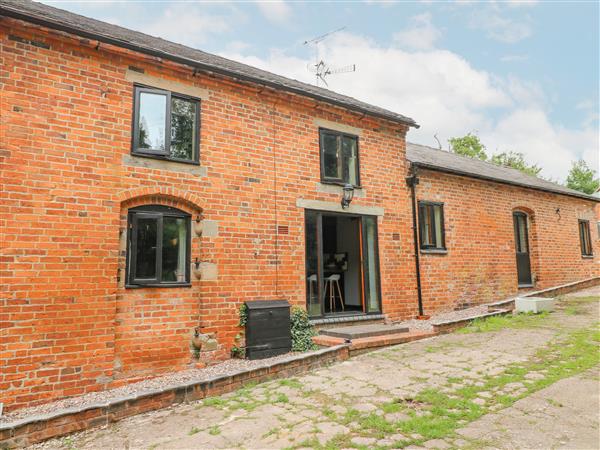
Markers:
point(339, 318)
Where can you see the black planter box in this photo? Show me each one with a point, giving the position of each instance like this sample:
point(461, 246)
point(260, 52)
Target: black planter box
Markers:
point(268, 330)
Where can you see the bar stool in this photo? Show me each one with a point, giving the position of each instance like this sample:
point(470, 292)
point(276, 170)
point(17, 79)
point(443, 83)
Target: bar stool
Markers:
point(333, 279)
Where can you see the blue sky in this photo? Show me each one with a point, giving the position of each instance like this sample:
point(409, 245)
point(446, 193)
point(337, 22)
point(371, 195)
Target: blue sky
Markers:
point(523, 75)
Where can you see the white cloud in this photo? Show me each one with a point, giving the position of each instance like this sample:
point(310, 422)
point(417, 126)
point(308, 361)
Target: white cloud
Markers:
point(508, 30)
point(276, 11)
point(420, 35)
point(447, 96)
point(529, 130)
point(188, 24)
point(520, 3)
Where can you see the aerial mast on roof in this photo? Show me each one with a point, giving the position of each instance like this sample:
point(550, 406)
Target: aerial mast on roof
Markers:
point(322, 69)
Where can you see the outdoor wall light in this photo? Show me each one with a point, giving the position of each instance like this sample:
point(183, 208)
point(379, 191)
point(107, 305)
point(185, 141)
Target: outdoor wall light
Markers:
point(347, 195)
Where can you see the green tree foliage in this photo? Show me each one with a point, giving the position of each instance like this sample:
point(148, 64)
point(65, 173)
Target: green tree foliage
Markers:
point(582, 178)
point(468, 145)
point(517, 161)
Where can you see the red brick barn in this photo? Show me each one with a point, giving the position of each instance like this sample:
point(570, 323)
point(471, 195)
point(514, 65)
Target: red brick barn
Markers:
point(149, 189)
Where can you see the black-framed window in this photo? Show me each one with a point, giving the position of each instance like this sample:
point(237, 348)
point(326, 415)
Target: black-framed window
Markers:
point(339, 157)
point(431, 225)
point(158, 250)
point(585, 238)
point(165, 125)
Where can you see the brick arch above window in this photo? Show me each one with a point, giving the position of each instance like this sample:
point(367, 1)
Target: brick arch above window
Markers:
point(527, 211)
point(166, 196)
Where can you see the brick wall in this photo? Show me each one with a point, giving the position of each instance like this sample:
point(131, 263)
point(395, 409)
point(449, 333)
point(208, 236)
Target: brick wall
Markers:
point(69, 324)
point(480, 264)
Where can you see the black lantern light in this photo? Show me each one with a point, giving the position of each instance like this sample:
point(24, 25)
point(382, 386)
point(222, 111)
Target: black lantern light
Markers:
point(347, 195)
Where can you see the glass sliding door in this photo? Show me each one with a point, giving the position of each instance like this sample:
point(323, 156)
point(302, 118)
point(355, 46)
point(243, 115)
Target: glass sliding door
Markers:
point(341, 249)
point(312, 223)
point(370, 264)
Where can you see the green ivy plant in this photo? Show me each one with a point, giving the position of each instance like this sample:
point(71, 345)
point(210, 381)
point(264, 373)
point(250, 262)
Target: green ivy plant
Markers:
point(302, 330)
point(238, 352)
point(243, 315)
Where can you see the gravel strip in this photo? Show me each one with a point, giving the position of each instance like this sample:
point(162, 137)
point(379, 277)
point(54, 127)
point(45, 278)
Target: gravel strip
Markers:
point(225, 368)
point(427, 325)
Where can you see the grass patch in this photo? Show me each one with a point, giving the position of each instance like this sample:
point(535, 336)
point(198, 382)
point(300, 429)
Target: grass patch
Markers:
point(194, 430)
point(214, 431)
point(497, 323)
point(574, 306)
point(282, 398)
point(213, 401)
point(291, 382)
point(376, 424)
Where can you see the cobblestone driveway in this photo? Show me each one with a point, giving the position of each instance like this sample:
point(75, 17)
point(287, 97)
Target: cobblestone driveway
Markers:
point(533, 385)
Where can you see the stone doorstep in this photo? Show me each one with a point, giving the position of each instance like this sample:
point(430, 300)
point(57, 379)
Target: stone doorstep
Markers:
point(29, 430)
point(364, 331)
point(374, 342)
point(390, 339)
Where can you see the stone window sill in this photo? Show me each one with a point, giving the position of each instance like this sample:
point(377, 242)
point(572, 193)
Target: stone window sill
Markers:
point(434, 251)
point(142, 286)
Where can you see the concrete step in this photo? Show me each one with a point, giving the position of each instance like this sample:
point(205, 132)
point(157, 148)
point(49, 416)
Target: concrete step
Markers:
point(363, 331)
point(361, 345)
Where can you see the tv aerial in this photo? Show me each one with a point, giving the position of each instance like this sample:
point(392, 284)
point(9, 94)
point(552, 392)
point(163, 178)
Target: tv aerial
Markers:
point(320, 68)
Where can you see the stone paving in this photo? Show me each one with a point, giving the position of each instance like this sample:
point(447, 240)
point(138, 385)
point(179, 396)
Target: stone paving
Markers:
point(460, 390)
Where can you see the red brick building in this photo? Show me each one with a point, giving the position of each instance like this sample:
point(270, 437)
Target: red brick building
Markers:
point(149, 189)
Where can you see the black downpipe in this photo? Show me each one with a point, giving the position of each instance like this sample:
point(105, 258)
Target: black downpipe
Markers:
point(412, 181)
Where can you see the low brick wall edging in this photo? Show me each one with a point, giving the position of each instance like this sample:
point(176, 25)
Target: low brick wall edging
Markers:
point(565, 288)
point(37, 428)
point(447, 326)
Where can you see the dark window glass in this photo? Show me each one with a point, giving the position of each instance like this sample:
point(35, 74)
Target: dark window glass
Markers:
point(173, 249)
point(331, 168)
point(350, 160)
point(183, 130)
point(431, 225)
point(159, 243)
point(521, 241)
point(585, 238)
point(146, 248)
point(166, 125)
point(339, 157)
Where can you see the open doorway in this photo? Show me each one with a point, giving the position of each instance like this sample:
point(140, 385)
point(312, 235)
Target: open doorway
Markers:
point(342, 267)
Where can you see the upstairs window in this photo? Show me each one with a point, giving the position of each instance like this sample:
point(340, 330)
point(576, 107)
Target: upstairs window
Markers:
point(339, 157)
point(165, 125)
point(585, 238)
point(431, 226)
point(158, 250)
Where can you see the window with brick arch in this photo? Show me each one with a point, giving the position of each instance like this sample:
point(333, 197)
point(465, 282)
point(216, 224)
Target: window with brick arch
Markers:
point(585, 238)
point(158, 246)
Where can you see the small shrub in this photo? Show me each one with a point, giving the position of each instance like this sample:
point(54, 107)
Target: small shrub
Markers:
point(302, 331)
